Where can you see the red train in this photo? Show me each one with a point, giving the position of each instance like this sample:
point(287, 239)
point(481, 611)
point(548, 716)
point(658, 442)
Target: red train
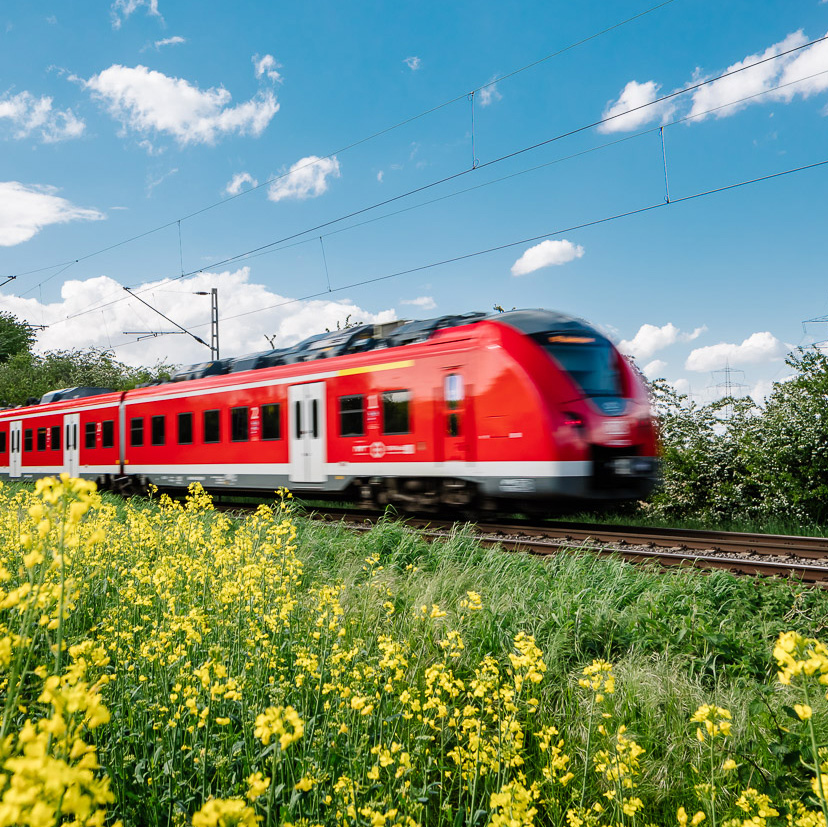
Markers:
point(471, 411)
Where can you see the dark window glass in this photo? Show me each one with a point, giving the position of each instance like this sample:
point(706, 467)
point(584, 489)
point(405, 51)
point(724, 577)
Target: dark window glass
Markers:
point(315, 418)
point(590, 360)
point(271, 422)
point(298, 410)
point(56, 437)
point(395, 415)
point(136, 431)
point(159, 427)
point(185, 429)
point(108, 434)
point(351, 415)
point(89, 435)
point(2, 442)
point(41, 439)
point(453, 425)
point(27, 439)
point(211, 426)
point(238, 424)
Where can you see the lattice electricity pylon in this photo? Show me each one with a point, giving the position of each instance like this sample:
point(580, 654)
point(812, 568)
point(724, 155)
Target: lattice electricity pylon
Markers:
point(730, 388)
point(817, 320)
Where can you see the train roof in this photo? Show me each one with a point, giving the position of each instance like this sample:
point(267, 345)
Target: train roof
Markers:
point(542, 321)
point(358, 339)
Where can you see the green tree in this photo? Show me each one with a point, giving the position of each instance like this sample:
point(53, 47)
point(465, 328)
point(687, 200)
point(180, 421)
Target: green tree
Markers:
point(28, 376)
point(15, 336)
point(786, 450)
point(759, 462)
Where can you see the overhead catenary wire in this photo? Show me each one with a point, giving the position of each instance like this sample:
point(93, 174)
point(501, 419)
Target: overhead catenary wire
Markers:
point(497, 248)
point(537, 167)
point(352, 145)
point(282, 241)
point(515, 153)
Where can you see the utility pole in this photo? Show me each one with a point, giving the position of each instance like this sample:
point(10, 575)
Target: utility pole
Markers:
point(214, 328)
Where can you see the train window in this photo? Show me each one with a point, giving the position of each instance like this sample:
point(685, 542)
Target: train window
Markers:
point(108, 434)
point(453, 424)
point(212, 432)
point(89, 435)
point(136, 431)
point(41, 439)
point(352, 415)
point(315, 418)
point(395, 413)
point(271, 422)
point(27, 439)
point(591, 361)
point(185, 429)
point(238, 424)
point(453, 390)
point(159, 429)
point(2, 442)
point(55, 437)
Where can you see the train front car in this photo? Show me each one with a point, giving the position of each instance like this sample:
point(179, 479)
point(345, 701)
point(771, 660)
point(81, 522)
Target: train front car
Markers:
point(591, 415)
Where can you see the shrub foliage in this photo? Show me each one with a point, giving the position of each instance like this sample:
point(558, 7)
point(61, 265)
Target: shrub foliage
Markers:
point(755, 463)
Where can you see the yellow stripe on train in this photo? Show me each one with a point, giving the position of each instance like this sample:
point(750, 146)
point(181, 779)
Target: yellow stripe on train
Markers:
point(407, 363)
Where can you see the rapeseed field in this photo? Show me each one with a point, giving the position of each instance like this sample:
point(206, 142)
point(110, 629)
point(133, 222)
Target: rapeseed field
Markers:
point(165, 664)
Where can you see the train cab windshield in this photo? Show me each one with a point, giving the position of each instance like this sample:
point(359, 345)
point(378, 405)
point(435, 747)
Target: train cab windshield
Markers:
point(589, 359)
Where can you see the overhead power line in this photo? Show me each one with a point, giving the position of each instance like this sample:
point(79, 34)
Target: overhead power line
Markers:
point(531, 239)
point(351, 145)
point(282, 241)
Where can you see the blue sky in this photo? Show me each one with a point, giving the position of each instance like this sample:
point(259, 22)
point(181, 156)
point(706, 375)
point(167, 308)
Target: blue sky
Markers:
point(131, 118)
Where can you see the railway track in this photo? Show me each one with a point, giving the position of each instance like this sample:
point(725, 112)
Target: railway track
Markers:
point(804, 558)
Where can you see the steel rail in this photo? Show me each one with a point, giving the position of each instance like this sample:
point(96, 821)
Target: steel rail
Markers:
point(738, 552)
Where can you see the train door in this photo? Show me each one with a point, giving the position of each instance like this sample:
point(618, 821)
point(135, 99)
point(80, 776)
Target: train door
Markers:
point(306, 420)
point(454, 418)
point(15, 434)
point(71, 452)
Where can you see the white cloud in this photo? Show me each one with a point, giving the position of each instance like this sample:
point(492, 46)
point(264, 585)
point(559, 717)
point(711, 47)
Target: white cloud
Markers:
point(682, 386)
point(169, 41)
point(413, 63)
point(801, 74)
point(651, 338)
point(423, 302)
point(148, 101)
point(757, 348)
point(635, 96)
point(238, 181)
point(654, 369)
point(546, 254)
point(380, 176)
point(761, 390)
point(28, 114)
point(25, 210)
point(807, 62)
point(267, 66)
point(153, 182)
point(489, 94)
point(246, 334)
point(307, 178)
point(121, 9)
point(762, 78)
